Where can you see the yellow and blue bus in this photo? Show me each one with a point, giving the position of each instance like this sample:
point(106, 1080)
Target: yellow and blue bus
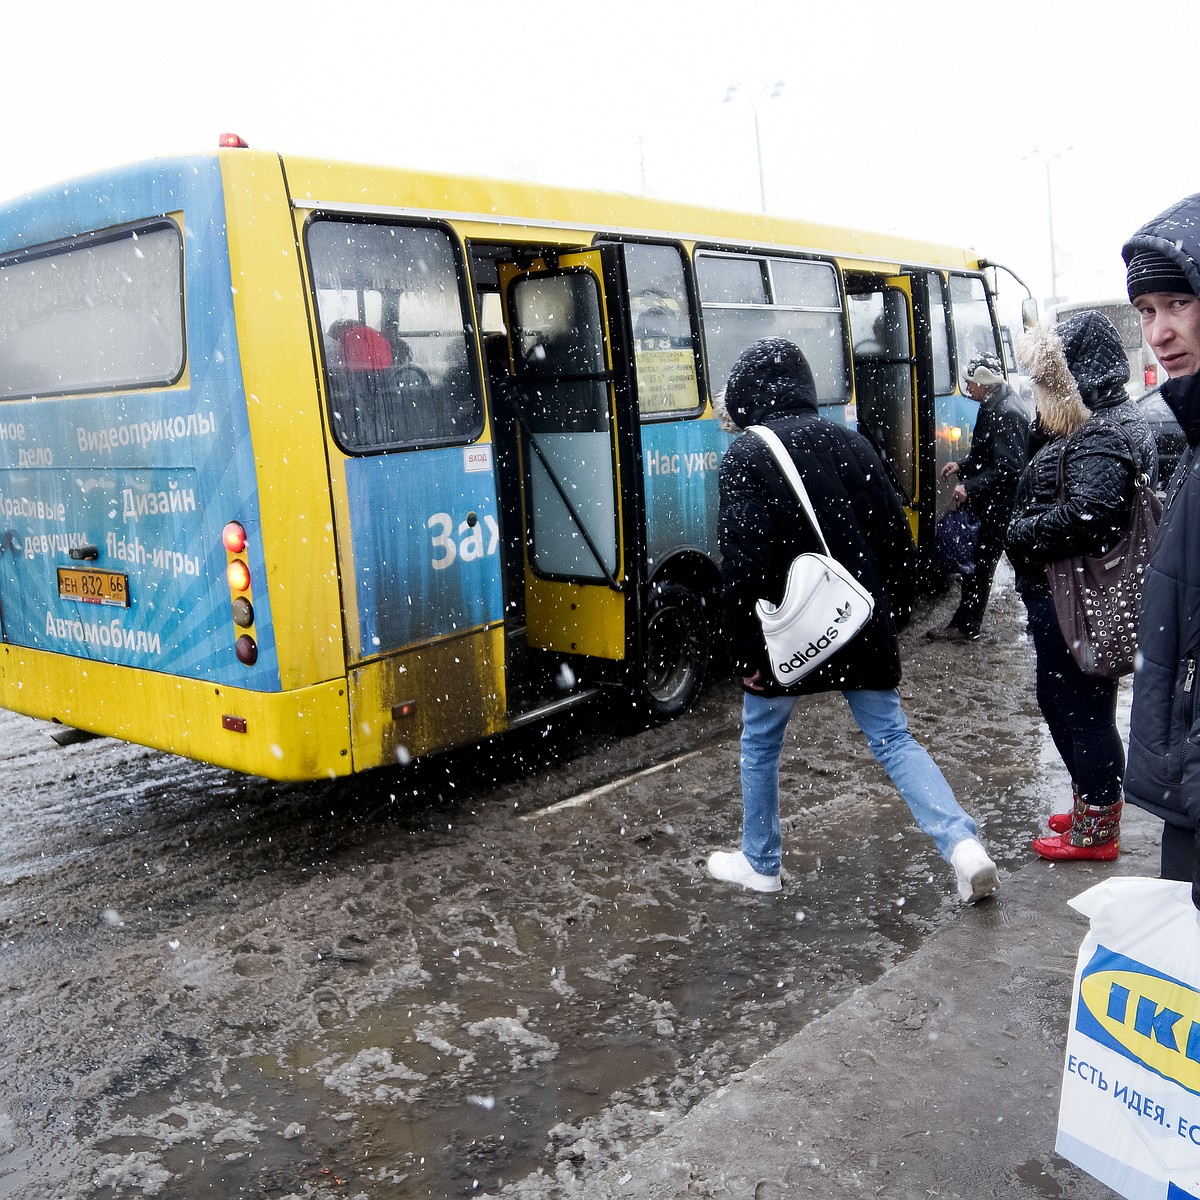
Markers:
point(307, 468)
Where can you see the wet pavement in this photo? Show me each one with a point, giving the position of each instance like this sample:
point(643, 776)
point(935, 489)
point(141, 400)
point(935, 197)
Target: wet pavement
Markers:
point(941, 1078)
point(503, 971)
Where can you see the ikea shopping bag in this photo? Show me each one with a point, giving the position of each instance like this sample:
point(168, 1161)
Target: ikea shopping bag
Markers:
point(1130, 1108)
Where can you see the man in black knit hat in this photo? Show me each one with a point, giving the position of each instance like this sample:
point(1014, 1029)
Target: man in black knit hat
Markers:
point(1163, 770)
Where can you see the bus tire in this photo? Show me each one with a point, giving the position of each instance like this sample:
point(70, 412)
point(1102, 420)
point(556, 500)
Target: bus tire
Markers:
point(676, 657)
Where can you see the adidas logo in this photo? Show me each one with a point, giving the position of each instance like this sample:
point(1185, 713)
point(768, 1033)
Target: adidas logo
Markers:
point(815, 647)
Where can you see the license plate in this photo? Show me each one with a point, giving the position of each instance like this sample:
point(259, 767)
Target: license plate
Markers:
point(93, 587)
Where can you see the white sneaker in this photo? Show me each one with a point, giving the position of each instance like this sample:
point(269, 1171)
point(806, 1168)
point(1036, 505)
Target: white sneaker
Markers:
point(734, 867)
point(976, 872)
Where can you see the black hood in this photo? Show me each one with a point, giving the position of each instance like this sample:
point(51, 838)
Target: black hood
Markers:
point(1174, 233)
point(771, 379)
point(1095, 357)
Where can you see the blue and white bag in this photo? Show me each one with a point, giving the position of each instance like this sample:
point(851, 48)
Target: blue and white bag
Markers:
point(1130, 1107)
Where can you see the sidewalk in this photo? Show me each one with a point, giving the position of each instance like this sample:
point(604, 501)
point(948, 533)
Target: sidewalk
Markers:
point(941, 1079)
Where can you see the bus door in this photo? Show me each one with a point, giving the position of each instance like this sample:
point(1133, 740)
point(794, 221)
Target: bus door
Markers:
point(573, 408)
point(885, 377)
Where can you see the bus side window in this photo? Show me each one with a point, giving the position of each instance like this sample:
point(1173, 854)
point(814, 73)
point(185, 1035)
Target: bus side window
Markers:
point(404, 374)
point(972, 316)
point(664, 349)
point(798, 299)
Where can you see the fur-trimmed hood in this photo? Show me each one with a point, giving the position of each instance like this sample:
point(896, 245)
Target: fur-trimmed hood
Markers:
point(1060, 407)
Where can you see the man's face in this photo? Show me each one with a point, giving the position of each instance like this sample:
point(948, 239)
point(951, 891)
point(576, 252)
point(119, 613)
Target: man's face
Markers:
point(975, 391)
point(1171, 327)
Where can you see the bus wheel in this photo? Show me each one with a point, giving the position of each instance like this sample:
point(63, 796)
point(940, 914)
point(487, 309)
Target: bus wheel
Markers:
point(676, 651)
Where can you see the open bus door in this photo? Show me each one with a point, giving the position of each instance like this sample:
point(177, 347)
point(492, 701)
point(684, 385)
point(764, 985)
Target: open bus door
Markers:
point(886, 378)
point(580, 489)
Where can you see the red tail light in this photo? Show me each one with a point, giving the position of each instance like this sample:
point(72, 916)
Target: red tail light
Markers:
point(235, 541)
point(234, 537)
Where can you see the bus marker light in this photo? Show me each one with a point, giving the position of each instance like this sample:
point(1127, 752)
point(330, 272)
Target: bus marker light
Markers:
point(233, 141)
point(406, 708)
point(234, 724)
point(246, 648)
point(233, 536)
point(243, 612)
point(238, 575)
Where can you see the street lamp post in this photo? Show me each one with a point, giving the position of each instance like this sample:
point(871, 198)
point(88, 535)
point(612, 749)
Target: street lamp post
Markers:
point(768, 91)
point(1047, 158)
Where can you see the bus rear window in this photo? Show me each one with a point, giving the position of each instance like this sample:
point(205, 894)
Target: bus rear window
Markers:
point(96, 314)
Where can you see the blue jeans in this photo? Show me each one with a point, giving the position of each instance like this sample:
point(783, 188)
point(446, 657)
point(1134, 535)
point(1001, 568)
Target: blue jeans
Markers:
point(880, 717)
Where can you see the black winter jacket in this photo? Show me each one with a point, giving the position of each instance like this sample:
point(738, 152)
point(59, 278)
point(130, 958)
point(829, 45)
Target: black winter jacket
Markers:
point(999, 448)
point(1093, 511)
point(1162, 774)
point(762, 528)
point(1163, 770)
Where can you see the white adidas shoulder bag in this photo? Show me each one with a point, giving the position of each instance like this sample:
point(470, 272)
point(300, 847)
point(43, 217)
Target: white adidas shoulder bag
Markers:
point(823, 605)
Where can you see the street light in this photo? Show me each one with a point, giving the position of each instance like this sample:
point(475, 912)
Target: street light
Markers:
point(1047, 158)
point(768, 91)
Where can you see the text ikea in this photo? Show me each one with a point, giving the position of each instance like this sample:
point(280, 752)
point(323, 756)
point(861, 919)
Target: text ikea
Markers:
point(1149, 1018)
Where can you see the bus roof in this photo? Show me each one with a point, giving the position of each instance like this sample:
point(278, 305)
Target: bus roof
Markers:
point(78, 205)
point(318, 183)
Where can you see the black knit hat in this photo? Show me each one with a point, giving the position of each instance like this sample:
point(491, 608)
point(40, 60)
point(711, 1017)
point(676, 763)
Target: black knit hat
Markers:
point(1172, 234)
point(1150, 271)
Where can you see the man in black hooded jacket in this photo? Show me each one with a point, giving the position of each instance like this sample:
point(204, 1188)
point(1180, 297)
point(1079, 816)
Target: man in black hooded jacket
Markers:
point(761, 529)
point(1163, 769)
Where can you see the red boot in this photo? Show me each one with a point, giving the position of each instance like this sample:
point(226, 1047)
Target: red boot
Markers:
point(1059, 848)
point(1061, 822)
point(1092, 837)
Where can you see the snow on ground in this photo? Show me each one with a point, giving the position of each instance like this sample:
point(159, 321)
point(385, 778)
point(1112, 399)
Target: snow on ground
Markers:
point(421, 983)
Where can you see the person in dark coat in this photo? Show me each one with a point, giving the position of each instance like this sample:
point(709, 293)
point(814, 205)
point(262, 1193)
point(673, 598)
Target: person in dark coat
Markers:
point(761, 529)
point(1079, 371)
point(1163, 772)
point(986, 483)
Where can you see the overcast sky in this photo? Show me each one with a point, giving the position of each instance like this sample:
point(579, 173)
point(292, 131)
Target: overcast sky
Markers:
point(936, 119)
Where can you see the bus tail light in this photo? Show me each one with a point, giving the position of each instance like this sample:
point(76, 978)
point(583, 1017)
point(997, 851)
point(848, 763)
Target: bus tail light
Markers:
point(241, 598)
point(243, 612)
point(1150, 376)
point(233, 536)
point(238, 575)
